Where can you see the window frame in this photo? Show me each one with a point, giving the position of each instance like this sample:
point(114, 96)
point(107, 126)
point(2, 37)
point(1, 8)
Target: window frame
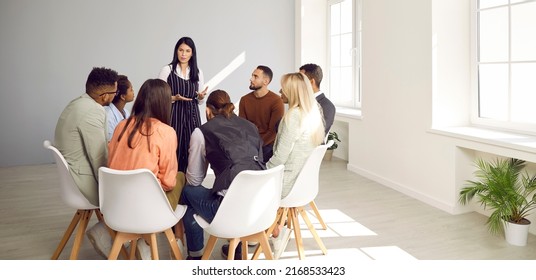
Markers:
point(356, 50)
point(476, 119)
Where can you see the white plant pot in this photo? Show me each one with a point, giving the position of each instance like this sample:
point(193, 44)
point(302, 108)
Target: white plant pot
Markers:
point(516, 234)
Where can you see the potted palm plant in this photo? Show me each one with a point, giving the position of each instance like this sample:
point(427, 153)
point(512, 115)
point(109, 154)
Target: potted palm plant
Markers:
point(504, 187)
point(332, 135)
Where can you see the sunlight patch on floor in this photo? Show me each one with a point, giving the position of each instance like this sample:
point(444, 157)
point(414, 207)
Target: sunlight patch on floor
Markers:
point(338, 223)
point(341, 225)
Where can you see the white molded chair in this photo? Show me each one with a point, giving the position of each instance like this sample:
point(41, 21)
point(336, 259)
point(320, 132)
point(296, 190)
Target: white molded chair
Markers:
point(312, 204)
point(247, 210)
point(303, 192)
point(71, 195)
point(134, 204)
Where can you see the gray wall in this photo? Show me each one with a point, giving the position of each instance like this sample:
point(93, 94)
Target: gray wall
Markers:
point(49, 47)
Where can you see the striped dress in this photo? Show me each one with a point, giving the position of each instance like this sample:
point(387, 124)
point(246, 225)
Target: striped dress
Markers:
point(184, 115)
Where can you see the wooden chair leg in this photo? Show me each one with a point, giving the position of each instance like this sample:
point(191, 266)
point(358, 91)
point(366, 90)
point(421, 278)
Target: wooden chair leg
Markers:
point(119, 240)
point(263, 243)
point(210, 246)
point(264, 246)
point(257, 251)
point(99, 215)
point(133, 247)
point(244, 250)
point(67, 234)
point(154, 246)
point(297, 232)
point(179, 232)
point(281, 212)
point(82, 226)
point(173, 244)
point(312, 230)
point(112, 232)
point(317, 214)
point(232, 247)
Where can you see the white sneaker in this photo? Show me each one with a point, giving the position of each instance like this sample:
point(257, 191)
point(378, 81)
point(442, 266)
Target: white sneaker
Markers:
point(143, 250)
point(253, 243)
point(100, 238)
point(280, 242)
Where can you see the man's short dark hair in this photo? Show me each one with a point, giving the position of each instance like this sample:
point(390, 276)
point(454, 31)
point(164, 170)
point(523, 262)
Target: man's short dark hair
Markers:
point(267, 71)
point(99, 77)
point(313, 71)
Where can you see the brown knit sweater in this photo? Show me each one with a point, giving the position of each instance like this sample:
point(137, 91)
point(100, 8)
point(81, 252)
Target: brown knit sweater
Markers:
point(264, 112)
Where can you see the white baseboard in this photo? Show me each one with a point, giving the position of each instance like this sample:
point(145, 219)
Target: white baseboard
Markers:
point(451, 209)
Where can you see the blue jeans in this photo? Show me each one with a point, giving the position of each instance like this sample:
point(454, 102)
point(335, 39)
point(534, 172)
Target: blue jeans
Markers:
point(203, 202)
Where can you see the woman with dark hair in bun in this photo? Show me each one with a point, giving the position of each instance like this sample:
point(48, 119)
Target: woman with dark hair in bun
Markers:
point(228, 143)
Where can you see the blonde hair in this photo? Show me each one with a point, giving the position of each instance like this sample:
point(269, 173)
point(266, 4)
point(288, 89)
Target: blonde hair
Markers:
point(298, 90)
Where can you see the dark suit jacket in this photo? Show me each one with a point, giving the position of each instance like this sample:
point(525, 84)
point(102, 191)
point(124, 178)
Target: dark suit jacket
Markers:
point(328, 109)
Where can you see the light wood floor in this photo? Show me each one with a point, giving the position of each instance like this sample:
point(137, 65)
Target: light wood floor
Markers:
point(366, 221)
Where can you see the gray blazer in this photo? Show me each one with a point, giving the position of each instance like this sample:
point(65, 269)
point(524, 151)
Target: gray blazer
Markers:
point(81, 138)
point(328, 110)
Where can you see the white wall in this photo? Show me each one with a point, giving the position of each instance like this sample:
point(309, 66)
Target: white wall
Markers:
point(393, 146)
point(49, 47)
point(416, 78)
point(390, 143)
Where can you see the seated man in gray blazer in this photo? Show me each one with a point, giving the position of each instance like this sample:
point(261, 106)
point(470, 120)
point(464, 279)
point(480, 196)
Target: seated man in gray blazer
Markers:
point(81, 138)
point(314, 73)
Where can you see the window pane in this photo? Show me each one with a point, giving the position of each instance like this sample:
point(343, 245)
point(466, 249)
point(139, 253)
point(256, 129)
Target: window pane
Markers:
point(524, 92)
point(491, 3)
point(335, 21)
point(493, 32)
point(346, 16)
point(346, 50)
point(342, 55)
point(346, 84)
point(335, 50)
point(493, 91)
point(357, 83)
point(335, 84)
point(524, 32)
point(517, 1)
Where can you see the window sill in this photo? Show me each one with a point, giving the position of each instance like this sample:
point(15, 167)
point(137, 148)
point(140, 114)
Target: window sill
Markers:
point(494, 141)
point(351, 113)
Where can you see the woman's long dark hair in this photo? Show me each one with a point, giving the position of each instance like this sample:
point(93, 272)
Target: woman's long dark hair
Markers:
point(153, 101)
point(194, 71)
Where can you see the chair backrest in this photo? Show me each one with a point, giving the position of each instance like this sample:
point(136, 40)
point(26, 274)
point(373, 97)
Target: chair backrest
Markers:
point(69, 191)
point(250, 204)
point(133, 201)
point(305, 188)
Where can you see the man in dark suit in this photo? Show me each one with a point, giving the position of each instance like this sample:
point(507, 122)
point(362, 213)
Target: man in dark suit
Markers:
point(314, 73)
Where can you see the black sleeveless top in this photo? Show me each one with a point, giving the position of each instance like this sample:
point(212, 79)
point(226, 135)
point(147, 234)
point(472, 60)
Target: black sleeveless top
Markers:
point(184, 115)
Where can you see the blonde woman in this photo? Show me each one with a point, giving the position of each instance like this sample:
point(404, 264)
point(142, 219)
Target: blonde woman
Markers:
point(300, 130)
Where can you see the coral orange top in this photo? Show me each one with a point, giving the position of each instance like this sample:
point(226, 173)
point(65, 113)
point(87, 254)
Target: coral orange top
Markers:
point(160, 157)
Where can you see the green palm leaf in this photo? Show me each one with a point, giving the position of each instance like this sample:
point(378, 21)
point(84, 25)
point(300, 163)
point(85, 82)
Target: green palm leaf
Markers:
point(503, 187)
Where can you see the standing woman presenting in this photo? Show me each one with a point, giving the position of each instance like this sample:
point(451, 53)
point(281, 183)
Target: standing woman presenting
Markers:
point(186, 82)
